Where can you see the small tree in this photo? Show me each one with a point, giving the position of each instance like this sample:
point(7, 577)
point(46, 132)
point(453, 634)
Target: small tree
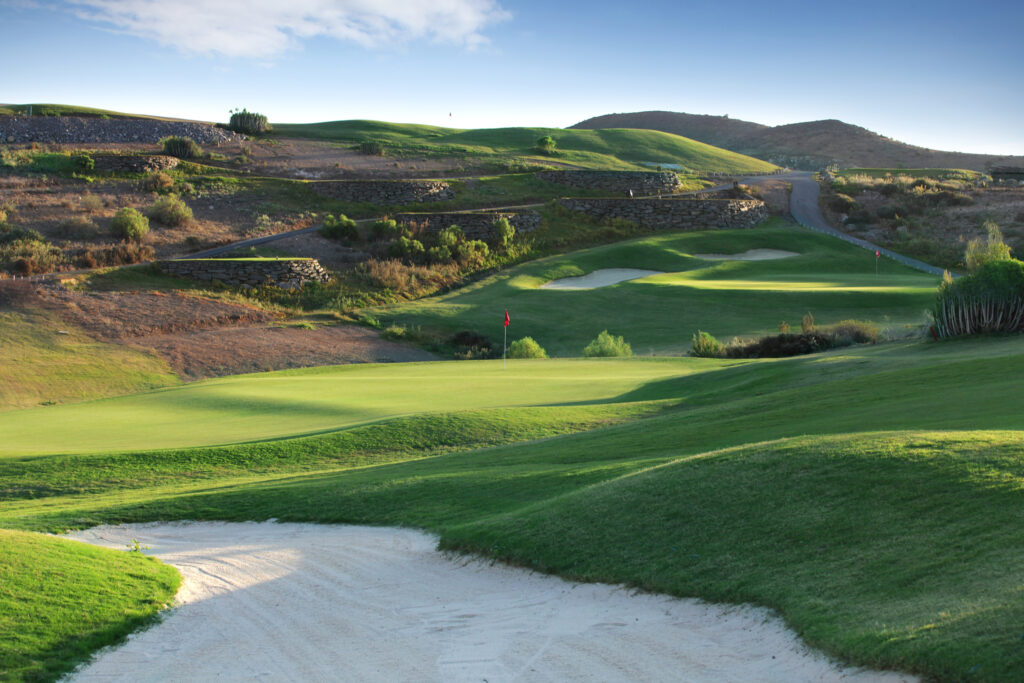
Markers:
point(341, 228)
point(526, 348)
point(129, 224)
point(990, 250)
point(706, 346)
point(450, 237)
point(546, 145)
point(607, 345)
point(504, 232)
point(248, 122)
point(472, 254)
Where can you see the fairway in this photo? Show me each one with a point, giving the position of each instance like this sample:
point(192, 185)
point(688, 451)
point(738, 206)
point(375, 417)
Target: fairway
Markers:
point(659, 314)
point(274, 405)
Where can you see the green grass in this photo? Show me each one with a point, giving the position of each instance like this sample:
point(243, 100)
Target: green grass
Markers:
point(936, 173)
point(42, 365)
point(659, 314)
point(40, 109)
point(61, 600)
point(621, 149)
point(871, 495)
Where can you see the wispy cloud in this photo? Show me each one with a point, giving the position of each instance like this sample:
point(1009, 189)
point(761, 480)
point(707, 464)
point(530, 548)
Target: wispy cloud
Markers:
point(266, 28)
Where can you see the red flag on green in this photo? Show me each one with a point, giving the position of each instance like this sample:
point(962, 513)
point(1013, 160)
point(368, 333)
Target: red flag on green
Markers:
point(506, 319)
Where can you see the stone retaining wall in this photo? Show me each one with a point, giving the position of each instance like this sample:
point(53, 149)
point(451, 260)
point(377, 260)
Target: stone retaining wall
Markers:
point(384, 191)
point(476, 226)
point(675, 214)
point(78, 129)
point(641, 182)
point(285, 273)
point(140, 163)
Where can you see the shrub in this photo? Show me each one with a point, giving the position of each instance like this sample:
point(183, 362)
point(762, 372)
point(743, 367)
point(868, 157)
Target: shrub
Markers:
point(385, 229)
point(472, 253)
point(504, 233)
point(993, 249)
point(706, 346)
point(400, 278)
point(90, 203)
point(123, 254)
point(807, 323)
point(84, 162)
point(170, 210)
point(526, 348)
point(183, 148)
point(842, 203)
point(989, 299)
point(129, 224)
point(341, 228)
point(545, 145)
point(77, 226)
point(607, 345)
point(848, 332)
point(371, 148)
point(26, 252)
point(450, 237)
point(248, 122)
point(156, 181)
point(439, 255)
point(406, 248)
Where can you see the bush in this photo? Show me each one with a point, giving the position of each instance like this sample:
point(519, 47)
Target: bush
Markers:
point(993, 249)
point(371, 148)
point(156, 182)
point(504, 233)
point(545, 145)
point(183, 148)
point(472, 253)
point(84, 162)
point(248, 122)
point(77, 227)
point(400, 278)
point(405, 248)
point(842, 203)
point(341, 228)
point(526, 348)
point(450, 237)
point(123, 254)
point(470, 345)
point(385, 229)
point(848, 332)
point(129, 224)
point(990, 299)
point(26, 252)
point(606, 345)
point(170, 210)
point(90, 203)
point(706, 346)
point(439, 255)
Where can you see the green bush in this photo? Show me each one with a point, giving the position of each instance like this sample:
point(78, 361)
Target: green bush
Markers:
point(439, 254)
point(526, 348)
point(546, 145)
point(84, 162)
point(26, 252)
point(472, 253)
point(607, 345)
point(170, 210)
point(385, 229)
point(406, 248)
point(450, 237)
point(992, 249)
point(706, 346)
point(504, 233)
point(156, 182)
point(183, 148)
point(371, 148)
point(248, 122)
point(989, 299)
point(341, 228)
point(129, 224)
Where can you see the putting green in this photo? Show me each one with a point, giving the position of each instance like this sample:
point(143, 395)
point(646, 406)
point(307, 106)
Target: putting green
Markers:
point(266, 406)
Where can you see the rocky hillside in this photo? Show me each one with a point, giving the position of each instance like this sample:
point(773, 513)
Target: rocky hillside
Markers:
point(76, 129)
point(810, 145)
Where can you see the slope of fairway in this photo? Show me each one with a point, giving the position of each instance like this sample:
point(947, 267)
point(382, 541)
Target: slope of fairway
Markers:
point(611, 148)
point(273, 405)
point(659, 314)
point(62, 600)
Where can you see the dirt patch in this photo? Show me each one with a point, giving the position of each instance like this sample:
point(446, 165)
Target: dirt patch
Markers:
point(749, 255)
point(237, 350)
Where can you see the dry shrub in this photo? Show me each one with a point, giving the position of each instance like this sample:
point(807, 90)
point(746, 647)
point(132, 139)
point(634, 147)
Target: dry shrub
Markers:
point(90, 203)
point(156, 181)
point(16, 293)
point(400, 278)
point(77, 227)
point(123, 254)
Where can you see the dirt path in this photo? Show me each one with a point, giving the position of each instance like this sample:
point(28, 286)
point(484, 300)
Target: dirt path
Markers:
point(302, 602)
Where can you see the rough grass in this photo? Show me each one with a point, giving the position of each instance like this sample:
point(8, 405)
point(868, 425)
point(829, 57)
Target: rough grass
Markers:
point(62, 600)
point(737, 481)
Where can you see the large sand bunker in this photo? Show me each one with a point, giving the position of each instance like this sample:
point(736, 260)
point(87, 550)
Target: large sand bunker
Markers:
point(599, 278)
point(749, 255)
point(303, 602)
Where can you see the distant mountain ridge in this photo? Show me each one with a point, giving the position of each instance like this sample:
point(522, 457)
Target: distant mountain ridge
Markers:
point(810, 145)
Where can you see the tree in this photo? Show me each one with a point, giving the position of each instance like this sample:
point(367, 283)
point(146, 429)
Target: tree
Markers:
point(546, 145)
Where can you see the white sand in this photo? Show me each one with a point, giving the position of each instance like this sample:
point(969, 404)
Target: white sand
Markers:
point(749, 255)
point(301, 602)
point(599, 278)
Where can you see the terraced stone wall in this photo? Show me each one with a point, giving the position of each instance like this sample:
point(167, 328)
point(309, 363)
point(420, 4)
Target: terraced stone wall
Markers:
point(476, 226)
point(285, 273)
point(675, 214)
point(641, 182)
point(384, 191)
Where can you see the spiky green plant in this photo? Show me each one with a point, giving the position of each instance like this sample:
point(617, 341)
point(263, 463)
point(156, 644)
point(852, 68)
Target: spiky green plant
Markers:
point(991, 299)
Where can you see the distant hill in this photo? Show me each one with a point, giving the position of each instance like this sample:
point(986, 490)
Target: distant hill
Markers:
point(810, 145)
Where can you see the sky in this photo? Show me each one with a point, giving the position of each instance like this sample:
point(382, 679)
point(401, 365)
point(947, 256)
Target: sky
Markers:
point(945, 75)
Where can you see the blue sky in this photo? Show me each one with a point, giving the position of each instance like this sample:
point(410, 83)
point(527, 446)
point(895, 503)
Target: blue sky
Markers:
point(938, 74)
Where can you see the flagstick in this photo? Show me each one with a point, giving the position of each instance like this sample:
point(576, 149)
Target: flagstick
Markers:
point(504, 344)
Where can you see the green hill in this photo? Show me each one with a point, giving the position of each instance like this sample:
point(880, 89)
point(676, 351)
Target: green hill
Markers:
point(613, 149)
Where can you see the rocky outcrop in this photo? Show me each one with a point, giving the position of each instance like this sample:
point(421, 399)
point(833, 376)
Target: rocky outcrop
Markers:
point(675, 214)
point(139, 163)
point(384, 191)
point(476, 225)
point(75, 129)
point(640, 182)
point(249, 273)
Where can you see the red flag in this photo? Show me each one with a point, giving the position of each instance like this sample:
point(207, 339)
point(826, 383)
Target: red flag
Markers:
point(878, 254)
point(506, 319)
